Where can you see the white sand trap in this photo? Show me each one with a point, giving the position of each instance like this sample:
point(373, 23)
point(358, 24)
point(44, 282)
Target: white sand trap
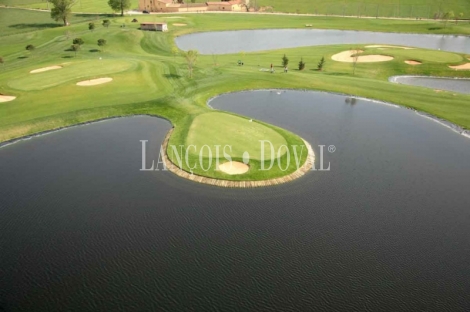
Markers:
point(94, 82)
point(179, 24)
point(380, 46)
point(6, 98)
point(346, 56)
point(234, 167)
point(461, 67)
point(40, 70)
point(411, 62)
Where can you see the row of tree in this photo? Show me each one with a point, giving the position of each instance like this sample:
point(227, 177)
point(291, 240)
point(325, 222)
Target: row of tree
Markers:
point(62, 9)
point(320, 65)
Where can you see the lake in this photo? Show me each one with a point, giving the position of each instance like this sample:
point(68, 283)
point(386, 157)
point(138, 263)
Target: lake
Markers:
point(223, 42)
point(448, 84)
point(83, 229)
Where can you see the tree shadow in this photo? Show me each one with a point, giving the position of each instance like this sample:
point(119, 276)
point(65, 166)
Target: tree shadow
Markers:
point(67, 56)
point(172, 76)
point(94, 50)
point(435, 28)
point(34, 25)
point(22, 57)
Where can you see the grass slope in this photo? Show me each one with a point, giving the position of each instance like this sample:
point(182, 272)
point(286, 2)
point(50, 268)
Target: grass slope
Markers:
point(384, 8)
point(149, 79)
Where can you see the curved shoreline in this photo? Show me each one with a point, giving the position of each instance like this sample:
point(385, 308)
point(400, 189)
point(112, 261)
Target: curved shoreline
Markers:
point(237, 184)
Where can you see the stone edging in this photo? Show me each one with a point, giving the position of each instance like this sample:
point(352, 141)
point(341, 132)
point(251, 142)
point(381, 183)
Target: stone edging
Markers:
point(237, 184)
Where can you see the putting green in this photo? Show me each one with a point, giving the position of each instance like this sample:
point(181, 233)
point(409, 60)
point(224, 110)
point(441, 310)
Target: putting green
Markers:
point(70, 71)
point(420, 55)
point(222, 129)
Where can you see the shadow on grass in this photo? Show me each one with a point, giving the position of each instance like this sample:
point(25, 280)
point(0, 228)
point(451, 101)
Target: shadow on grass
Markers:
point(22, 57)
point(67, 56)
point(94, 50)
point(435, 28)
point(172, 76)
point(34, 25)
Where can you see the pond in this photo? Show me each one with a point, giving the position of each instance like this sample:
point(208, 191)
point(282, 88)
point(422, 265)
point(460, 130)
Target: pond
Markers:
point(223, 42)
point(437, 83)
point(82, 228)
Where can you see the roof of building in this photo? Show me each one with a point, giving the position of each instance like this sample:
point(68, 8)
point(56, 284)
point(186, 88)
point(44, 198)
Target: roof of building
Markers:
point(223, 3)
point(148, 23)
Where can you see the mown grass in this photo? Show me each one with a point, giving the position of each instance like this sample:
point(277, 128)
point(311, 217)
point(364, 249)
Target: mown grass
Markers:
point(156, 83)
point(384, 8)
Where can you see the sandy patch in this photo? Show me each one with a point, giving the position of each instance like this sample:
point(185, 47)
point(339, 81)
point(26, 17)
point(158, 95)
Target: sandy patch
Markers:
point(234, 167)
point(381, 46)
point(411, 62)
point(179, 24)
point(94, 82)
point(6, 98)
point(438, 91)
point(346, 56)
point(40, 70)
point(461, 67)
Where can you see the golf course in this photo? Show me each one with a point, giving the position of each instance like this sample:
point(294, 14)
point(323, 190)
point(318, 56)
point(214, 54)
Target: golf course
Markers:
point(135, 72)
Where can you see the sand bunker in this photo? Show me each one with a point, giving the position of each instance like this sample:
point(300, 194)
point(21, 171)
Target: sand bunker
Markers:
point(40, 70)
point(461, 67)
point(411, 62)
point(234, 167)
point(346, 57)
point(94, 82)
point(179, 24)
point(6, 98)
point(387, 46)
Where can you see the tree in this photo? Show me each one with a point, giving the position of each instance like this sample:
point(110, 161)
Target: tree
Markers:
point(61, 10)
point(91, 26)
point(2, 61)
point(301, 64)
point(30, 47)
point(120, 5)
point(285, 61)
point(78, 41)
point(460, 16)
point(75, 48)
point(174, 51)
point(191, 57)
point(101, 43)
point(355, 57)
point(447, 16)
point(106, 23)
point(321, 64)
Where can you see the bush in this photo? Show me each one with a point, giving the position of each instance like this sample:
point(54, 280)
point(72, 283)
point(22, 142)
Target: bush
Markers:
point(30, 47)
point(78, 41)
point(301, 64)
point(321, 64)
point(285, 61)
point(91, 26)
point(106, 23)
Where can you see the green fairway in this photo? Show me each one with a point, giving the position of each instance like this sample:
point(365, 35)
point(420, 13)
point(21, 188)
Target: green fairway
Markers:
point(70, 71)
point(221, 129)
point(418, 55)
point(149, 78)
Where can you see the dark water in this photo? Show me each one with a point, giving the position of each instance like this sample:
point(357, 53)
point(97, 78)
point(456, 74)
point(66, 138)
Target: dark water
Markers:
point(82, 229)
point(221, 42)
point(449, 84)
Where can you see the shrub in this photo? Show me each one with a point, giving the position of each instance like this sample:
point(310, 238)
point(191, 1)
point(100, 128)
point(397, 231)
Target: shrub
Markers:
point(301, 64)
